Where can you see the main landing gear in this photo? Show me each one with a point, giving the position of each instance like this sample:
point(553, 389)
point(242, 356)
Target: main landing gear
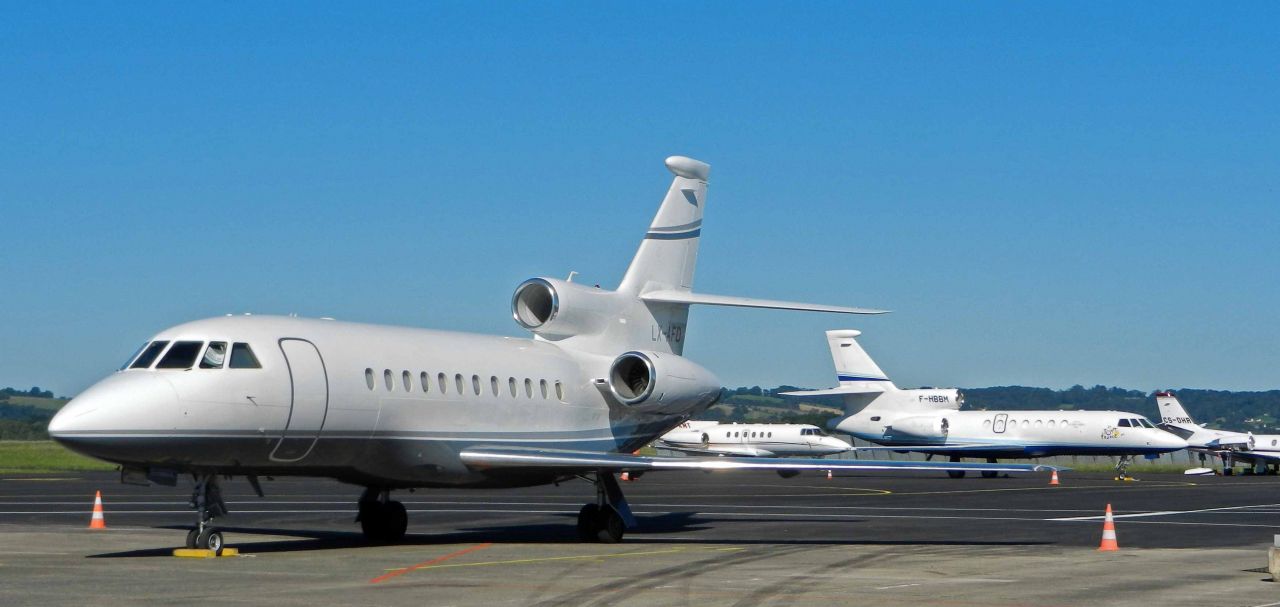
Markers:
point(609, 517)
point(955, 459)
point(990, 473)
point(381, 519)
point(207, 500)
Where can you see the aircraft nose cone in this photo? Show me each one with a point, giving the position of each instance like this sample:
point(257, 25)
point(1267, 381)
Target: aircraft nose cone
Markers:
point(91, 423)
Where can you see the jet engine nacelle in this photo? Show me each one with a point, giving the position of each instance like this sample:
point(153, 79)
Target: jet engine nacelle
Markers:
point(555, 308)
point(920, 426)
point(666, 383)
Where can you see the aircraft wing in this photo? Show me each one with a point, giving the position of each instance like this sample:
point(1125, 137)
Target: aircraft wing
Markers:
point(685, 297)
point(743, 451)
point(500, 458)
point(985, 448)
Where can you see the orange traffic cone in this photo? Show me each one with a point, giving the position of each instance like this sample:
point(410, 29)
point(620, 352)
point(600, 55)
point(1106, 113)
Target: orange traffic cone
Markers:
point(97, 522)
point(626, 476)
point(1053, 480)
point(1108, 533)
point(828, 475)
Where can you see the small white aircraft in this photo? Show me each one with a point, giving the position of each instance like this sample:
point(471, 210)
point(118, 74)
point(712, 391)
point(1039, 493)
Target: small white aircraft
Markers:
point(929, 420)
point(751, 440)
point(1262, 450)
point(392, 408)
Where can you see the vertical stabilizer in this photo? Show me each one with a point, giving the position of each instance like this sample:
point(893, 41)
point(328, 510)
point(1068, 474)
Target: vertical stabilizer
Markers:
point(1171, 410)
point(854, 368)
point(669, 251)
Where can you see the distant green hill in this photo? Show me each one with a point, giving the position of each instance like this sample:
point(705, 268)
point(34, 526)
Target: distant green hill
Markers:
point(25, 414)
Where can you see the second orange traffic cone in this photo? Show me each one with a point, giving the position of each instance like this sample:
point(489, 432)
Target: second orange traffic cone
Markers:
point(1108, 533)
point(97, 522)
point(1053, 480)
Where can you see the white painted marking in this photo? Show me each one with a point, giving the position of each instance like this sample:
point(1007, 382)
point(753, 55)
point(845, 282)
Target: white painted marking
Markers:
point(1163, 513)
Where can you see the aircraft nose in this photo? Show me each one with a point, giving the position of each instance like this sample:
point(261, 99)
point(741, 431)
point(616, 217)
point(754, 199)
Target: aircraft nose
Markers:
point(128, 402)
point(1169, 440)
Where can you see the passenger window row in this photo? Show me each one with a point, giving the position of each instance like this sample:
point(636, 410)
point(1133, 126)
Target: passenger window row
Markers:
point(461, 385)
point(182, 355)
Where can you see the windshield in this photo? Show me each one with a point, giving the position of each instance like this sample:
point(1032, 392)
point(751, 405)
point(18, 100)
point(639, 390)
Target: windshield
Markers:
point(181, 356)
point(149, 355)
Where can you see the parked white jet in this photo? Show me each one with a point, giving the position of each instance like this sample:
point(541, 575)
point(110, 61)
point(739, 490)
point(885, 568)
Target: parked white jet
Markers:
point(929, 420)
point(1262, 450)
point(751, 440)
point(396, 407)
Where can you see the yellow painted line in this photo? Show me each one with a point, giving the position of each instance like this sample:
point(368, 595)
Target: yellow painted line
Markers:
point(577, 557)
point(201, 553)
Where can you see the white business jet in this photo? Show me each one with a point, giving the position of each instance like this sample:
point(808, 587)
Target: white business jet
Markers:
point(929, 420)
point(751, 440)
point(1262, 450)
point(391, 408)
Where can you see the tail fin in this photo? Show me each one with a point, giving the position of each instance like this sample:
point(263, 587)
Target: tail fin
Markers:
point(1171, 411)
point(854, 368)
point(669, 252)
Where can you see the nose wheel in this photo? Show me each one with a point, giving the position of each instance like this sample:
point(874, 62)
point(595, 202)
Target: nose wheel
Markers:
point(208, 503)
point(1122, 467)
point(382, 519)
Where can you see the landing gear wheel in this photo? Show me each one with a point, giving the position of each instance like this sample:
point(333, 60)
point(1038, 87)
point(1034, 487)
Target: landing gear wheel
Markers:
point(210, 539)
point(609, 526)
point(383, 522)
point(956, 473)
point(587, 522)
point(191, 538)
point(397, 521)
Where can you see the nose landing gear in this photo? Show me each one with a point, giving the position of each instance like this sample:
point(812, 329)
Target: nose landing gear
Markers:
point(208, 503)
point(381, 519)
point(609, 517)
point(1122, 468)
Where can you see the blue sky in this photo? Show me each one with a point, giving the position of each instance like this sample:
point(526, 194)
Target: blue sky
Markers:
point(1045, 194)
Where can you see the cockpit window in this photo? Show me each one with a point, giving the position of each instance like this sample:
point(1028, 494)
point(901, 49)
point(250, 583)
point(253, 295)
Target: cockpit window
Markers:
point(242, 357)
point(149, 355)
point(181, 356)
point(1145, 423)
point(1124, 423)
point(214, 356)
point(133, 356)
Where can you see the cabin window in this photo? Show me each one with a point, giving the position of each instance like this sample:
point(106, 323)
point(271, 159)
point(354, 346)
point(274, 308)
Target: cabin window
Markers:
point(457, 381)
point(443, 383)
point(1039, 423)
point(986, 424)
point(875, 418)
point(542, 386)
point(475, 384)
point(368, 378)
point(735, 435)
point(149, 355)
point(770, 435)
point(181, 355)
point(528, 387)
point(426, 381)
point(1124, 423)
point(559, 391)
point(1062, 423)
point(1026, 423)
point(1050, 423)
point(242, 357)
point(386, 379)
point(214, 356)
point(493, 384)
point(511, 383)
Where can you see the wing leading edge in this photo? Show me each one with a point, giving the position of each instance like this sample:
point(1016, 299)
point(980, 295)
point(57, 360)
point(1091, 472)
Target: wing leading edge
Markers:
point(507, 458)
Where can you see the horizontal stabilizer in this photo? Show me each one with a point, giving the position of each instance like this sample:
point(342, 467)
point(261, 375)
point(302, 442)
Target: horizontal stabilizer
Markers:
point(685, 297)
point(863, 388)
point(510, 458)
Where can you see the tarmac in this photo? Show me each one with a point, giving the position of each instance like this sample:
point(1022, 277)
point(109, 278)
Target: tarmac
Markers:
point(704, 539)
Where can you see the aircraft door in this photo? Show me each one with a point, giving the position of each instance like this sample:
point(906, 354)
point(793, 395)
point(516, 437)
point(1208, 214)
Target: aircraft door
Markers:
point(309, 389)
point(1000, 422)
